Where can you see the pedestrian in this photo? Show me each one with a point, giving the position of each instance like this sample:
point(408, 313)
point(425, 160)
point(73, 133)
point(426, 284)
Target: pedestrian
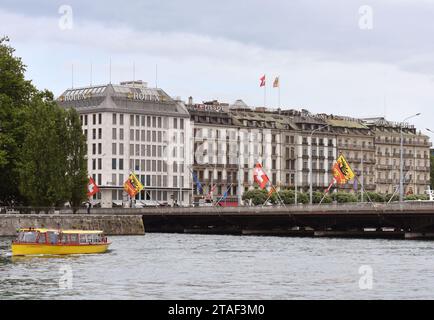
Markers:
point(88, 207)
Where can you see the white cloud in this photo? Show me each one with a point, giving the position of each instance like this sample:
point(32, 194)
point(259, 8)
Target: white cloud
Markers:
point(209, 67)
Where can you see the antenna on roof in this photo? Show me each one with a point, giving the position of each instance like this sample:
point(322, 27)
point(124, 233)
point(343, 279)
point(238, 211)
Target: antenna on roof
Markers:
point(110, 71)
point(72, 76)
point(91, 73)
point(134, 73)
point(156, 75)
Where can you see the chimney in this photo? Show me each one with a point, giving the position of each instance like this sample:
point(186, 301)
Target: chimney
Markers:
point(190, 100)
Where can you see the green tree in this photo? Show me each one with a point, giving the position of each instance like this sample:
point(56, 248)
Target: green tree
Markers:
point(317, 196)
point(16, 94)
point(344, 197)
point(257, 196)
point(76, 159)
point(43, 161)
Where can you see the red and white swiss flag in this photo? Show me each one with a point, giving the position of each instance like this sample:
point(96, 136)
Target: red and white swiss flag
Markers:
point(92, 188)
point(259, 176)
point(262, 79)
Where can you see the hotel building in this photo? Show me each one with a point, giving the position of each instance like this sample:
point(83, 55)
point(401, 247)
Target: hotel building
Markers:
point(133, 128)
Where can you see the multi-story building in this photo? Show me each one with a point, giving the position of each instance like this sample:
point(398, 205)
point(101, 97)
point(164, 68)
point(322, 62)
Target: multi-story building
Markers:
point(215, 145)
point(416, 147)
point(356, 142)
point(133, 128)
point(315, 150)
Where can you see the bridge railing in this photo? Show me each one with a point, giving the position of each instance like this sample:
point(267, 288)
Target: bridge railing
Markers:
point(343, 207)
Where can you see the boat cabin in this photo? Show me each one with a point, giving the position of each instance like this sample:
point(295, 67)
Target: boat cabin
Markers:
point(60, 237)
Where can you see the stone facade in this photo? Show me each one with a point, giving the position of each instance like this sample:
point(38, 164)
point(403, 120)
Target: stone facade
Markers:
point(132, 128)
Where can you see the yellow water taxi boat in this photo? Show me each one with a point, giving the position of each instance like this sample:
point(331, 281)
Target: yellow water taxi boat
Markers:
point(33, 241)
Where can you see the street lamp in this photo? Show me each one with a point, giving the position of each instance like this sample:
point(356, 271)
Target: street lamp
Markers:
point(401, 169)
point(310, 160)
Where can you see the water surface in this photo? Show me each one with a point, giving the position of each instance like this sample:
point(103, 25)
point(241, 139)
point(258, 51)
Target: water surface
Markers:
point(183, 266)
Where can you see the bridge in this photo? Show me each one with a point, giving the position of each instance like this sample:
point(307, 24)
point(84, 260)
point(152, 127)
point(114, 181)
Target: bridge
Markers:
point(408, 220)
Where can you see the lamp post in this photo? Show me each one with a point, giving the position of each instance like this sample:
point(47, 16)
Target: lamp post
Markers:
point(401, 167)
point(310, 160)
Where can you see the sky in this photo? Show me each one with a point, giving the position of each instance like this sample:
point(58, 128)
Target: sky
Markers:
point(346, 57)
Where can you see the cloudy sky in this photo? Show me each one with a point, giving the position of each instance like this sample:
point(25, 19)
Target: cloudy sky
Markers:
point(348, 57)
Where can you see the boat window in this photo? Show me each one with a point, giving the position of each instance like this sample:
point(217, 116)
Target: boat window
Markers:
point(52, 237)
point(74, 238)
point(83, 238)
point(27, 236)
point(41, 238)
point(64, 238)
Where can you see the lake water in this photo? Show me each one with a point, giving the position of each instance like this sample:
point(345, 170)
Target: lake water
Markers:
point(183, 266)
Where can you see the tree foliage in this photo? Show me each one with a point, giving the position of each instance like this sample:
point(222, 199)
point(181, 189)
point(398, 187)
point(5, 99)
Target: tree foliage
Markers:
point(16, 94)
point(42, 148)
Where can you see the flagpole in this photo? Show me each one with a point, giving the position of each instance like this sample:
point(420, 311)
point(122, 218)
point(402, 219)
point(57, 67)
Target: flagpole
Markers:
point(363, 189)
point(227, 189)
point(265, 94)
point(278, 87)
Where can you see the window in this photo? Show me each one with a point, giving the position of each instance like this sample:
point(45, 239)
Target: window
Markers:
point(114, 118)
point(121, 165)
point(175, 123)
point(114, 133)
point(99, 133)
point(113, 164)
point(94, 134)
point(121, 149)
point(100, 118)
point(93, 148)
point(94, 119)
point(85, 120)
point(99, 164)
point(121, 119)
point(99, 148)
point(121, 134)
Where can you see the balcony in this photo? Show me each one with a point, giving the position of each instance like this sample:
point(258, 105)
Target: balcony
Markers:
point(384, 167)
point(422, 168)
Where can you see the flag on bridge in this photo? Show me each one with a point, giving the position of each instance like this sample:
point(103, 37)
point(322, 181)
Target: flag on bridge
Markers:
point(92, 187)
point(259, 176)
point(198, 184)
point(133, 186)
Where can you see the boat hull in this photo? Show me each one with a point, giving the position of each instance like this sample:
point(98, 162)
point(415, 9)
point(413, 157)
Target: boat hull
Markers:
point(21, 249)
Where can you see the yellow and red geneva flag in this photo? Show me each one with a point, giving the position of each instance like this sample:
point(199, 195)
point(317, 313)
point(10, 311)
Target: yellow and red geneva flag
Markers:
point(276, 83)
point(342, 171)
point(92, 188)
point(133, 186)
